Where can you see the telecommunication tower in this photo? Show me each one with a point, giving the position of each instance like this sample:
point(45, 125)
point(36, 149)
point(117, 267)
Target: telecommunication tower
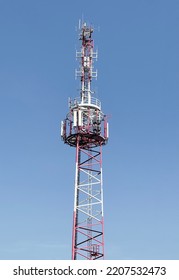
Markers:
point(85, 128)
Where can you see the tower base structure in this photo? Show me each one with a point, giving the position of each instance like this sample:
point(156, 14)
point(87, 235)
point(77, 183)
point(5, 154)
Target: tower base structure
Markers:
point(88, 225)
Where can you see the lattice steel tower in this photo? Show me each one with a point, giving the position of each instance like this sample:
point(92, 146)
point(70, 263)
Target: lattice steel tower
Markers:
point(85, 128)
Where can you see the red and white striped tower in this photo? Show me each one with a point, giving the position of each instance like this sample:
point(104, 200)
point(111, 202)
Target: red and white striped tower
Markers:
point(85, 128)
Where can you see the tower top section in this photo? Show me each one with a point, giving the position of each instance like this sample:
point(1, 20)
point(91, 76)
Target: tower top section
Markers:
point(86, 72)
point(86, 32)
point(85, 118)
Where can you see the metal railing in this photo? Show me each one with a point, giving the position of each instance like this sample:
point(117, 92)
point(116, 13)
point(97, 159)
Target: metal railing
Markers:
point(85, 101)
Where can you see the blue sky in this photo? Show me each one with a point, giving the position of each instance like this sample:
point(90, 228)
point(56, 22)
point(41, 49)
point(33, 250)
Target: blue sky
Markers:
point(138, 85)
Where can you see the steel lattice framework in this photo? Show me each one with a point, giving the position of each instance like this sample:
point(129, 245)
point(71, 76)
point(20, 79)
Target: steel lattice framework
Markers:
point(85, 128)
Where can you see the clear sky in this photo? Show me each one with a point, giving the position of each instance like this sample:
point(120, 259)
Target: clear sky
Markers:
point(138, 86)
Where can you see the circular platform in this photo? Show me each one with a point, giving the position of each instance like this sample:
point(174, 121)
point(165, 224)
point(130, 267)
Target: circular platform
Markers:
point(85, 139)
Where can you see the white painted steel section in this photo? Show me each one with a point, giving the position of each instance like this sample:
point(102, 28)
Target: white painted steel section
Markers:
point(76, 186)
point(62, 123)
point(90, 191)
point(107, 130)
point(75, 118)
point(87, 214)
point(80, 123)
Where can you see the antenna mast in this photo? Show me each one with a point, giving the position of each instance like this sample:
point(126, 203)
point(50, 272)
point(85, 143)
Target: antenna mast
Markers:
point(85, 128)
